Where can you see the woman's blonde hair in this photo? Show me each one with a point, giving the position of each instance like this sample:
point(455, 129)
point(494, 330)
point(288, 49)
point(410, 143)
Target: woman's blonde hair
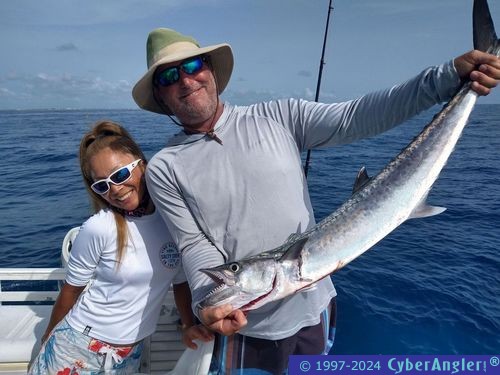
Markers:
point(107, 134)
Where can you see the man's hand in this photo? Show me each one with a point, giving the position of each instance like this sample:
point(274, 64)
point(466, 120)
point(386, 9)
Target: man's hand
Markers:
point(481, 68)
point(223, 319)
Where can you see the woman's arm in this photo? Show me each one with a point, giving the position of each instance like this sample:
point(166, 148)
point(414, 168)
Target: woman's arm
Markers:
point(182, 297)
point(190, 329)
point(67, 298)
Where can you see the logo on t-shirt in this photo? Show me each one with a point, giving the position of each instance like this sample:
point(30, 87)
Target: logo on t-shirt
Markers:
point(169, 255)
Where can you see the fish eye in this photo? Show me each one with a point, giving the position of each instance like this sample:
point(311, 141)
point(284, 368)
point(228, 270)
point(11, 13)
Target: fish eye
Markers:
point(234, 267)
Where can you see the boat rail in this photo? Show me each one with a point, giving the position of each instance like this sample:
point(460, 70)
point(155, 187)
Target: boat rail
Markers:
point(30, 274)
point(24, 313)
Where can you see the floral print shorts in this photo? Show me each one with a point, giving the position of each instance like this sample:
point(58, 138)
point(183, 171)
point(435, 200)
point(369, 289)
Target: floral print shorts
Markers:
point(69, 352)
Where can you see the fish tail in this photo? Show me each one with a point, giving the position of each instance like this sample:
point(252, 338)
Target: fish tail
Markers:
point(485, 37)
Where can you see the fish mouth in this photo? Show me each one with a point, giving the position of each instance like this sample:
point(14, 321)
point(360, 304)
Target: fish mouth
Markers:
point(217, 278)
point(226, 286)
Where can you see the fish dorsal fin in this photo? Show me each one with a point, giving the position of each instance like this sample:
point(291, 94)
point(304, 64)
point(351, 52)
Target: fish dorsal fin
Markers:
point(293, 252)
point(483, 28)
point(310, 287)
point(424, 210)
point(361, 180)
point(292, 237)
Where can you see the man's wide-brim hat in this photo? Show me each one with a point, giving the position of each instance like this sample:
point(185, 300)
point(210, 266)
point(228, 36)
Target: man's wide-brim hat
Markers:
point(165, 46)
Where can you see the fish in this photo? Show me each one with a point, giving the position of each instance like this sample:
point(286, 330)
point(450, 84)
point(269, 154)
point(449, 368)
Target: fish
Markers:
point(377, 206)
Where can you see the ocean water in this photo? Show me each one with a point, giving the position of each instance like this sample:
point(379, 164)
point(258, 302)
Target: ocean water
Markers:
point(430, 287)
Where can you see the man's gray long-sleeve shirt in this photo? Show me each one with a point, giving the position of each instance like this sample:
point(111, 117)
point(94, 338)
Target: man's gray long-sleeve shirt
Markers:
point(226, 202)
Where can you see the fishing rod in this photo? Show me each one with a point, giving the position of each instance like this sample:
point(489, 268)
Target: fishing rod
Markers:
point(318, 85)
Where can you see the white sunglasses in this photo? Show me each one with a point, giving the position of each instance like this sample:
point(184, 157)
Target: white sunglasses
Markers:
point(118, 177)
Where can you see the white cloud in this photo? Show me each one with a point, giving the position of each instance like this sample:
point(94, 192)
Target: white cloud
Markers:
point(6, 92)
point(44, 90)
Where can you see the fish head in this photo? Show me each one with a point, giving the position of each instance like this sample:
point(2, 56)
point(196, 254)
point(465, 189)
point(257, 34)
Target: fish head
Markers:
point(245, 284)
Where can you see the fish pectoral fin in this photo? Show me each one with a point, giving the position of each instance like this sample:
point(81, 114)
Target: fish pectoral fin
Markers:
point(361, 180)
point(424, 210)
point(294, 250)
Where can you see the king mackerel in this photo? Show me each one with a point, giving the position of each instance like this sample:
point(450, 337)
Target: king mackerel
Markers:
point(377, 207)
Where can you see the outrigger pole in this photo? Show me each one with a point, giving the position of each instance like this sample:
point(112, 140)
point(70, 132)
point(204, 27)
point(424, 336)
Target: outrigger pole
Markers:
point(318, 85)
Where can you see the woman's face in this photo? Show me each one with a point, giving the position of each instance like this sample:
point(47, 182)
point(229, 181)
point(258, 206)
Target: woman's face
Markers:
point(128, 195)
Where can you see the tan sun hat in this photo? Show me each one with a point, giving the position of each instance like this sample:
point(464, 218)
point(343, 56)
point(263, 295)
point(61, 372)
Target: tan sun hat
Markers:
point(166, 46)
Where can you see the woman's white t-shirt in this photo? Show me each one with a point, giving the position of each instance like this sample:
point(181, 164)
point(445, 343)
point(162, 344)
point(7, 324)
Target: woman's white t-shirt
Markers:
point(122, 304)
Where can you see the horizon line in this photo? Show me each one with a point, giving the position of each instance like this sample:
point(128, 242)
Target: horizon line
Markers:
point(118, 109)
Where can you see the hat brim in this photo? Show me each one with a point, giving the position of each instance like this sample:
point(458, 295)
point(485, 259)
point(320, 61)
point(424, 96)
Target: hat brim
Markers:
point(221, 58)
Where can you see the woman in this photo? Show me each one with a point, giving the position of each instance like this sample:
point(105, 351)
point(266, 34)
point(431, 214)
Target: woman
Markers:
point(125, 258)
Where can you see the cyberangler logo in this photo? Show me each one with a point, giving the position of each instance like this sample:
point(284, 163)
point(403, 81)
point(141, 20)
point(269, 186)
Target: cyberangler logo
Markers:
point(169, 255)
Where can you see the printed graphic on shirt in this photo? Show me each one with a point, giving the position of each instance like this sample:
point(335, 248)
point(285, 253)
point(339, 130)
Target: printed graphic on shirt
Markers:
point(169, 255)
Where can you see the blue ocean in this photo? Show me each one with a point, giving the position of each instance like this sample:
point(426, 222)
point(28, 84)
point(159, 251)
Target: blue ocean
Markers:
point(430, 287)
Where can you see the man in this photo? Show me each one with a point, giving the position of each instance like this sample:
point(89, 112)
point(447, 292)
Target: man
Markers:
point(231, 183)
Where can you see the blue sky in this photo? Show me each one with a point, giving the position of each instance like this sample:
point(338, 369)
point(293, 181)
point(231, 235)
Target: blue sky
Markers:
point(89, 54)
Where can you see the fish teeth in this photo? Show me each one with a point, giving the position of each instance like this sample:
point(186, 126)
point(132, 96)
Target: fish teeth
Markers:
point(216, 289)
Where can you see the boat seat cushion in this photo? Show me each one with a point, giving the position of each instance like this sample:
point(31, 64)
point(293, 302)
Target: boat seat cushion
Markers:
point(21, 328)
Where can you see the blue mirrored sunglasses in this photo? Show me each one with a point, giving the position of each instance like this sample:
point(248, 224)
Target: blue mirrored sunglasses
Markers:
point(170, 75)
point(118, 177)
